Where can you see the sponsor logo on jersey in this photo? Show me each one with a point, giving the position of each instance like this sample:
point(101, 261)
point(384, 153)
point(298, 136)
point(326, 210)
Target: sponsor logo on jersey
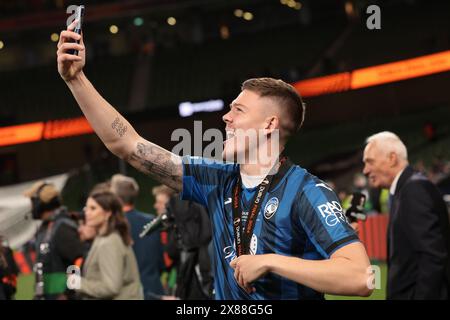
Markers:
point(229, 252)
point(332, 213)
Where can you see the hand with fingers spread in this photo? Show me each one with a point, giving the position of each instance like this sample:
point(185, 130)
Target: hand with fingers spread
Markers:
point(69, 65)
point(248, 268)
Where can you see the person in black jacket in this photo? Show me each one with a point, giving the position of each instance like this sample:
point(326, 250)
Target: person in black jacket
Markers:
point(418, 231)
point(189, 237)
point(8, 272)
point(58, 245)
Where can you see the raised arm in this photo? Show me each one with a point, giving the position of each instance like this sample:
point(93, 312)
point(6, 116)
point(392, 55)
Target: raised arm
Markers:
point(114, 130)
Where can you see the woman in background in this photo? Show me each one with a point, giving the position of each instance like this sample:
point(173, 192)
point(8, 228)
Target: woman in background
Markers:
point(110, 270)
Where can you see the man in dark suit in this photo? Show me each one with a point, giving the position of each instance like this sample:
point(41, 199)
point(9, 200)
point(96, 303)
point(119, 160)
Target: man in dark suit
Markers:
point(148, 250)
point(418, 231)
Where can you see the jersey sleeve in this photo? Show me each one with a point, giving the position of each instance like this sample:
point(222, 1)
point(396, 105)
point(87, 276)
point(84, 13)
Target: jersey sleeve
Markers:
point(322, 217)
point(202, 177)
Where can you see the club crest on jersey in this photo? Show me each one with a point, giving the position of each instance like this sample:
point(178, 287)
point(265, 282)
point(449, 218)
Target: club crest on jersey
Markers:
point(271, 207)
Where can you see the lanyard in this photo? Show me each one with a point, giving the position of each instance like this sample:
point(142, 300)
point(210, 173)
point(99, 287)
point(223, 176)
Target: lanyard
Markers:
point(242, 238)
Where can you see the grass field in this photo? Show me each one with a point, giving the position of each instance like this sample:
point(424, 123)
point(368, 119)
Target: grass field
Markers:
point(25, 285)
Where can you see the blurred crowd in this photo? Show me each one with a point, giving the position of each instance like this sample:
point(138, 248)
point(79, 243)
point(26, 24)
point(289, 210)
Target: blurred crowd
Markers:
point(111, 250)
point(437, 172)
point(101, 252)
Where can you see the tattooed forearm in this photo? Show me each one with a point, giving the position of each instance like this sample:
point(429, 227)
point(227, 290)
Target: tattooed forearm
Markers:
point(119, 127)
point(158, 163)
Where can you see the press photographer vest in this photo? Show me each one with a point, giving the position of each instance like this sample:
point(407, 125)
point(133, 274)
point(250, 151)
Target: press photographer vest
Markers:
point(53, 265)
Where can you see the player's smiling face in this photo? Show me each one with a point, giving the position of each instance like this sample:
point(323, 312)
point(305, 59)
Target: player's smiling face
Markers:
point(247, 113)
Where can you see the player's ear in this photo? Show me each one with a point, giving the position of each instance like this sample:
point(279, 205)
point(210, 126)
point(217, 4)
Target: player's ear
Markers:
point(270, 124)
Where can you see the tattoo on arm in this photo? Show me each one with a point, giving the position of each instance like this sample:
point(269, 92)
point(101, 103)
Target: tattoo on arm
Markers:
point(158, 163)
point(119, 127)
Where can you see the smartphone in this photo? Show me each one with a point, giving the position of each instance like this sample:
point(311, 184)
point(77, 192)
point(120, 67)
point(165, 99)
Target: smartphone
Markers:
point(79, 15)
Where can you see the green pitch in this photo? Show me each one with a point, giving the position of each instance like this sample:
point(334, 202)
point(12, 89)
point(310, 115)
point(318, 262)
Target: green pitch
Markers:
point(25, 285)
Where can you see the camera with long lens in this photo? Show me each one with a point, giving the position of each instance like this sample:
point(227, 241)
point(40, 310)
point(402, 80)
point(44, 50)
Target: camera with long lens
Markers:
point(165, 221)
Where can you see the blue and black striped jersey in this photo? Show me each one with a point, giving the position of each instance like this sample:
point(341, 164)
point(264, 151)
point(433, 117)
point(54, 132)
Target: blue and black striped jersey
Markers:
point(300, 216)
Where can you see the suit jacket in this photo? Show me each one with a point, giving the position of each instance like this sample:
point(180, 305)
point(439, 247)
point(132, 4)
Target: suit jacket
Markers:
point(149, 254)
point(418, 240)
point(111, 271)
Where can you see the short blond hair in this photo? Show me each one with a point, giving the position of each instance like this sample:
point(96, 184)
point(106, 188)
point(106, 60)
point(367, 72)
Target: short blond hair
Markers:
point(286, 97)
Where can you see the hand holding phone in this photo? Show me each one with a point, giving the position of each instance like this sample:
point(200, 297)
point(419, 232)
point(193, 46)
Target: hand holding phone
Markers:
point(71, 56)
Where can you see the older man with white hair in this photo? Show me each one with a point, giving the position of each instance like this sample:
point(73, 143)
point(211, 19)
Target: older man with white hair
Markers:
point(418, 231)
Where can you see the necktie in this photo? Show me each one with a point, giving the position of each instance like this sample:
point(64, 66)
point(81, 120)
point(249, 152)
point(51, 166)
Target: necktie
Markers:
point(390, 202)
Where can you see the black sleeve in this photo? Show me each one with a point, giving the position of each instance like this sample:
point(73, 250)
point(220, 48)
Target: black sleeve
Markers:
point(193, 224)
point(205, 231)
point(12, 266)
point(423, 224)
point(68, 243)
point(8, 289)
point(2, 292)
